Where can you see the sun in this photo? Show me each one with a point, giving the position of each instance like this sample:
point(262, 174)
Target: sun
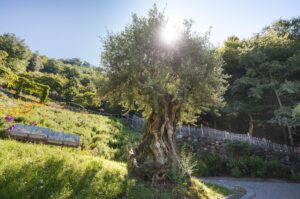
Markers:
point(169, 33)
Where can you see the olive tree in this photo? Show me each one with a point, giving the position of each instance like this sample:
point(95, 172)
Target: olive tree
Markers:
point(169, 83)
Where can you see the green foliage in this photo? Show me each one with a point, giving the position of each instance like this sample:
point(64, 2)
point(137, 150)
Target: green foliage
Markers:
point(188, 161)
point(255, 166)
point(7, 78)
point(52, 66)
point(179, 172)
point(137, 189)
point(71, 90)
point(15, 57)
point(100, 135)
point(35, 170)
point(17, 53)
point(240, 163)
point(3, 57)
point(70, 72)
point(211, 165)
point(141, 70)
point(55, 82)
point(35, 63)
point(237, 148)
point(296, 110)
point(284, 117)
point(264, 72)
point(23, 84)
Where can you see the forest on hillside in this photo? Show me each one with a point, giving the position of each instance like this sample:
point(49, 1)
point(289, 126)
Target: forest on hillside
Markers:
point(263, 74)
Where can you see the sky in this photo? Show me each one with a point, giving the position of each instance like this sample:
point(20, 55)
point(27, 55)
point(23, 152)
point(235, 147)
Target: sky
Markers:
point(76, 28)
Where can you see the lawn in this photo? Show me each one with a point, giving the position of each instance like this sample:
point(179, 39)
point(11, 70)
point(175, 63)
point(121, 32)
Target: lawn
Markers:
point(100, 135)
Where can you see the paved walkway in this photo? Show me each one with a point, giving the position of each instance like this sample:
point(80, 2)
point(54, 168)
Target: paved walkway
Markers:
point(260, 189)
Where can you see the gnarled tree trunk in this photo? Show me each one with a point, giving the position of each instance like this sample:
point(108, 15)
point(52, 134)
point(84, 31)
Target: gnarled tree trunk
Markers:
point(153, 157)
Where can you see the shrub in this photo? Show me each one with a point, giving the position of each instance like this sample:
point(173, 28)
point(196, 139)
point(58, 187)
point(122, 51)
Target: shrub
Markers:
point(238, 167)
point(23, 84)
point(257, 166)
point(211, 165)
point(237, 148)
point(188, 161)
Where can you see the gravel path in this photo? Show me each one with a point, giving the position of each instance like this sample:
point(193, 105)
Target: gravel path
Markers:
point(261, 189)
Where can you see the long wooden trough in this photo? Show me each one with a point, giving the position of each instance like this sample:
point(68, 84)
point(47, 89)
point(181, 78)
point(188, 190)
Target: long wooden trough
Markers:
point(44, 135)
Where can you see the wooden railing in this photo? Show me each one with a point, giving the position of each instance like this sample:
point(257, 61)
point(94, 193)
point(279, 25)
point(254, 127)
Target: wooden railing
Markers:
point(139, 124)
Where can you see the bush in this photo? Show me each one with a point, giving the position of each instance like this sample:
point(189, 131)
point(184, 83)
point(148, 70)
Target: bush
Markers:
point(23, 84)
point(240, 163)
point(237, 148)
point(211, 165)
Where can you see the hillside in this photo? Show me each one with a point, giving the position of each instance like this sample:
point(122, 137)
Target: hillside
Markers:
point(29, 170)
point(100, 135)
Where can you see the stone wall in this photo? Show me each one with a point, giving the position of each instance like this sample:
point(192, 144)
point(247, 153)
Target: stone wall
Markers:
point(201, 145)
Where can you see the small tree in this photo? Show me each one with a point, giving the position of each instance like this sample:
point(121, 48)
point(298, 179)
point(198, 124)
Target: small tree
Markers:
point(168, 82)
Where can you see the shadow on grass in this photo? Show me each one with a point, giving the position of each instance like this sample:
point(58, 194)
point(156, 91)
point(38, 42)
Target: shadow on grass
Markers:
point(56, 179)
point(122, 139)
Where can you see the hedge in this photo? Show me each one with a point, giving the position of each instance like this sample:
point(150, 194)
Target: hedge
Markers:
point(23, 84)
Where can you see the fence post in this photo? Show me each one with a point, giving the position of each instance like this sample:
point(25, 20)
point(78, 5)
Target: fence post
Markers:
point(189, 129)
point(201, 130)
point(249, 139)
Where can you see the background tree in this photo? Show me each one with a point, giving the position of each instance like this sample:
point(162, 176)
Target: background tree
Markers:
point(168, 82)
point(71, 90)
point(35, 63)
point(264, 82)
point(52, 66)
point(17, 51)
point(3, 57)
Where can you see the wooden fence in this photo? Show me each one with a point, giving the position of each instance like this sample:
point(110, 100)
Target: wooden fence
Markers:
point(139, 124)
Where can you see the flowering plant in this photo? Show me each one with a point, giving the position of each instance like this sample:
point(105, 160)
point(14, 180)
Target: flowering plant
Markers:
point(10, 128)
point(9, 118)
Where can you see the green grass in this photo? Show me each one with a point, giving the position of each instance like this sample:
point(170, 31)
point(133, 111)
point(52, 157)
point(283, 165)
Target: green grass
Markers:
point(200, 189)
point(39, 171)
point(29, 170)
point(100, 135)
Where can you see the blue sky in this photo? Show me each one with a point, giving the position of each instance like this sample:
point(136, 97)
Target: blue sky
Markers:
point(73, 28)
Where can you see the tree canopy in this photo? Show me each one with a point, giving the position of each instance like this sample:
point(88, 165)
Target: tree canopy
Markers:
point(265, 73)
point(167, 82)
point(141, 69)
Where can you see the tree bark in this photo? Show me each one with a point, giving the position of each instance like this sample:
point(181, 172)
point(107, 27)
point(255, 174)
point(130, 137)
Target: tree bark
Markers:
point(290, 135)
point(284, 136)
point(157, 149)
point(214, 121)
point(251, 125)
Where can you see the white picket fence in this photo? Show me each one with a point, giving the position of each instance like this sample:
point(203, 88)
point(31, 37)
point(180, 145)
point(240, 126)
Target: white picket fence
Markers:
point(138, 124)
point(215, 134)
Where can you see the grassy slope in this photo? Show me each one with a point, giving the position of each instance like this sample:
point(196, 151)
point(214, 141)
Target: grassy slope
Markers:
point(41, 171)
point(100, 135)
